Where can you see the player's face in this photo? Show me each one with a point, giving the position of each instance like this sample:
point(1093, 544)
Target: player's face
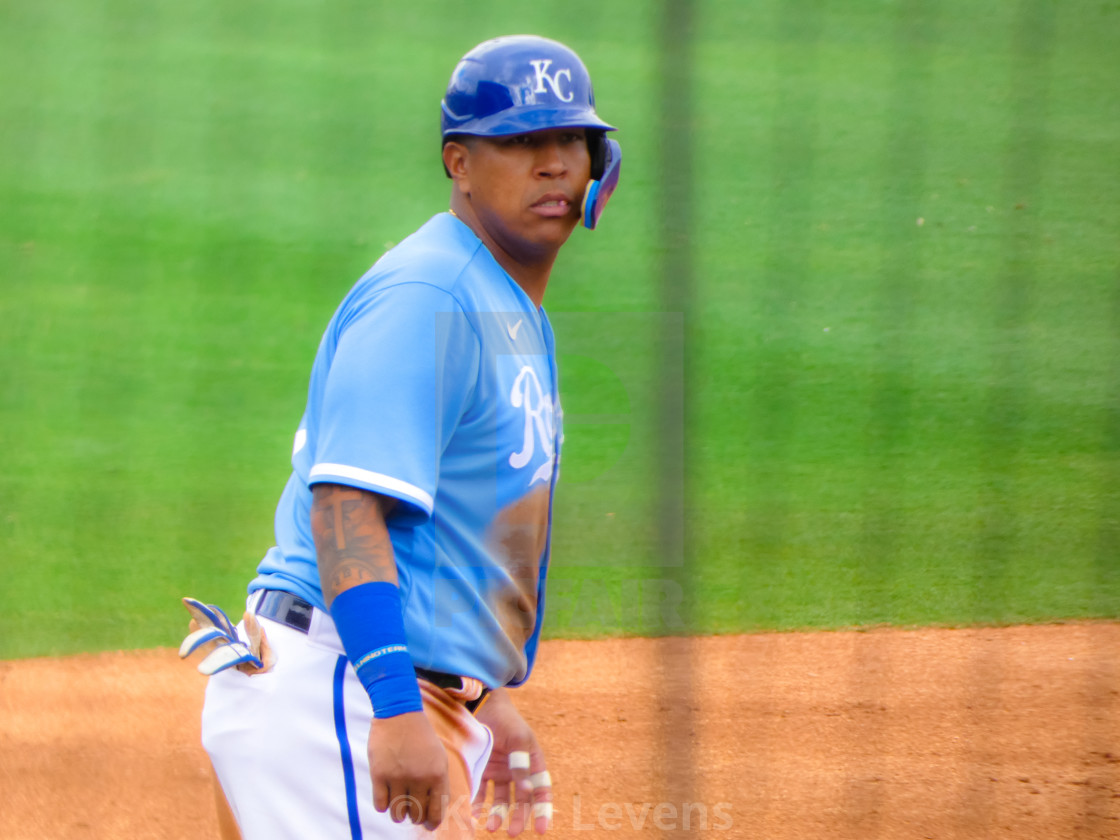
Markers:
point(527, 189)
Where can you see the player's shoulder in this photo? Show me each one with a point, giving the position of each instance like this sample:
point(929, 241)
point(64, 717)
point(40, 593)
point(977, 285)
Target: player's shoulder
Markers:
point(444, 254)
point(442, 267)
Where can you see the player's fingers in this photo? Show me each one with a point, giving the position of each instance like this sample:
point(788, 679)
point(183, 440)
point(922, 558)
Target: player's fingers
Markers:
point(542, 801)
point(380, 797)
point(267, 654)
point(434, 814)
point(478, 806)
point(483, 792)
point(519, 763)
point(404, 806)
point(496, 816)
point(499, 810)
point(253, 631)
point(412, 809)
point(417, 807)
point(439, 798)
point(518, 818)
point(258, 645)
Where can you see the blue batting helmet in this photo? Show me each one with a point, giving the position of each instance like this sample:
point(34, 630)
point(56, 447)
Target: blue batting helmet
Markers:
point(517, 84)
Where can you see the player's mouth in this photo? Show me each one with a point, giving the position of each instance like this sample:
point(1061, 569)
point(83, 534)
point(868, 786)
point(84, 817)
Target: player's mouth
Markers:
point(552, 205)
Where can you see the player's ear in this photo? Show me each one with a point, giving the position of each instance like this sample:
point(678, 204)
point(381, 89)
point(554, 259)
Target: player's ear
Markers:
point(456, 158)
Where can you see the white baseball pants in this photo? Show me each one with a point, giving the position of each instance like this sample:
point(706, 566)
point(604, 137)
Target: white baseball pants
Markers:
point(290, 746)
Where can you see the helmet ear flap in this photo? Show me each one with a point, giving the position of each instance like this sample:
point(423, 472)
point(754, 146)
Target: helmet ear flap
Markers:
point(602, 185)
point(597, 148)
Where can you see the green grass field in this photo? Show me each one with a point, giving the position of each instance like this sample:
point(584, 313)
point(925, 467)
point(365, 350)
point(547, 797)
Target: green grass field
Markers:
point(901, 349)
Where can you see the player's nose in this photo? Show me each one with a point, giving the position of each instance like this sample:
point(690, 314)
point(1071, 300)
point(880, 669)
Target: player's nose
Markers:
point(550, 161)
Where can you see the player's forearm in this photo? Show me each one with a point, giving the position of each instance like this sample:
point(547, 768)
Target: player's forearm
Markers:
point(351, 539)
point(359, 577)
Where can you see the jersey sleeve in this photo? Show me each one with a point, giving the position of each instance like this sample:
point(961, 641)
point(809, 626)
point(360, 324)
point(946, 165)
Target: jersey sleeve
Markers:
point(403, 370)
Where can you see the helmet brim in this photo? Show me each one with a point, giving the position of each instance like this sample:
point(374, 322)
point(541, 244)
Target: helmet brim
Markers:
point(507, 124)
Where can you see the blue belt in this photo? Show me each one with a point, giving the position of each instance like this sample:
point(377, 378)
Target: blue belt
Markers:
point(292, 611)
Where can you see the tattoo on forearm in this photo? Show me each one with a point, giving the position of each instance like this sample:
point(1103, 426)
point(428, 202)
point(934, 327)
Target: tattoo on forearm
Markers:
point(351, 540)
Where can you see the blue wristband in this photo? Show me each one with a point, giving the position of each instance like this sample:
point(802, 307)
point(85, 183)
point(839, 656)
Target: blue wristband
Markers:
point(371, 625)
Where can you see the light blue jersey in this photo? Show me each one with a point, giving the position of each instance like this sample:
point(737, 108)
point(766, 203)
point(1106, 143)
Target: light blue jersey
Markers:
point(435, 383)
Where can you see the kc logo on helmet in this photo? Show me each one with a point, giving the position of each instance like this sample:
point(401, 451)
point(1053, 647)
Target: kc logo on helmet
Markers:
point(540, 67)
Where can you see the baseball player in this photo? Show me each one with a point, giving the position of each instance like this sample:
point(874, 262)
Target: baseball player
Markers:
point(366, 692)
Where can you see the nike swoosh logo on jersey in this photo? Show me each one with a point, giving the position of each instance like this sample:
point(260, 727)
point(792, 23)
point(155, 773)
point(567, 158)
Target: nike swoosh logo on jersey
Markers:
point(513, 329)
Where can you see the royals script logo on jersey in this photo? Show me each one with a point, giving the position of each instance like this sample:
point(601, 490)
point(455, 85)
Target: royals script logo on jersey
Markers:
point(540, 424)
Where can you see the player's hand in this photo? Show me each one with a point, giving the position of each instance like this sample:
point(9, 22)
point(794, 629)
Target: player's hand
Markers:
point(408, 768)
point(222, 645)
point(521, 784)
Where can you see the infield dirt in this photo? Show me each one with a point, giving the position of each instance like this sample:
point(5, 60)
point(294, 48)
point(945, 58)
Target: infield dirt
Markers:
point(972, 733)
